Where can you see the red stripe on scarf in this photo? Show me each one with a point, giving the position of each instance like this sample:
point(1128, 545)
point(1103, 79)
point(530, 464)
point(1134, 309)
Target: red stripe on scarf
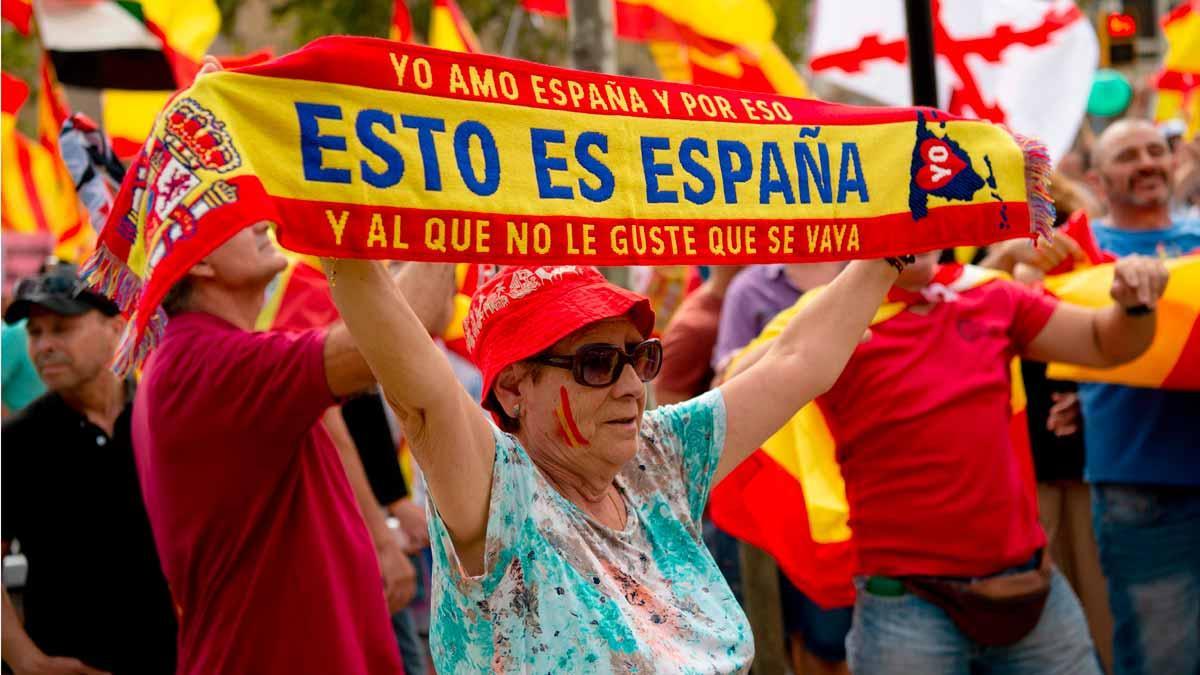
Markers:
point(892, 234)
point(367, 62)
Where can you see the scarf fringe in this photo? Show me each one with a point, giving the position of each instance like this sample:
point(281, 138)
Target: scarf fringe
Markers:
point(1038, 168)
point(108, 275)
point(136, 345)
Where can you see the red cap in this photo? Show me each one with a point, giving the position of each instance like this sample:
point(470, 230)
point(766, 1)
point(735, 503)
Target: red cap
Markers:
point(523, 311)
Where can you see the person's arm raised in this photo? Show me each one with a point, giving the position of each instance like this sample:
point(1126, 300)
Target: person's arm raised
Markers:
point(804, 362)
point(1108, 336)
point(450, 436)
point(429, 291)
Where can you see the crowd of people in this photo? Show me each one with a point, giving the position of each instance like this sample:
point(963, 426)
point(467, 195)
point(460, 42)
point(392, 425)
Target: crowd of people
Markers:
point(239, 507)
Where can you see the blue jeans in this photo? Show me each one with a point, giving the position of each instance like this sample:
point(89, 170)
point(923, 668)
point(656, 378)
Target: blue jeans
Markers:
point(1149, 540)
point(905, 634)
point(408, 639)
point(823, 630)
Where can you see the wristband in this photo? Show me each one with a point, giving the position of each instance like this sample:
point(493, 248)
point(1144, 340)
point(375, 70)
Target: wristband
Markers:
point(1139, 310)
point(900, 262)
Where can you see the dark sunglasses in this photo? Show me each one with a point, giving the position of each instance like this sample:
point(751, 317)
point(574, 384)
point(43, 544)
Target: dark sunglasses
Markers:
point(600, 365)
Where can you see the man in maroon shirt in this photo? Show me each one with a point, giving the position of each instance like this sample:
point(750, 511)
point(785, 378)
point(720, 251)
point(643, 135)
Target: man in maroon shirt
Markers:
point(267, 555)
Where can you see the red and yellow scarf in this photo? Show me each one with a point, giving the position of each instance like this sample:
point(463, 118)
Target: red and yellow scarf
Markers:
point(357, 147)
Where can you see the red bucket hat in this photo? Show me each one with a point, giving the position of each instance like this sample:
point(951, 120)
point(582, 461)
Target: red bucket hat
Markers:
point(523, 311)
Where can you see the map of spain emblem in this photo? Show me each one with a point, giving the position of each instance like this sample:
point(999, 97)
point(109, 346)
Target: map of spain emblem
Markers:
point(940, 167)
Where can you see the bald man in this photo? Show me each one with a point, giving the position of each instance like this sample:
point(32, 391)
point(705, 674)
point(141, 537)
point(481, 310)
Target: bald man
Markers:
point(1143, 445)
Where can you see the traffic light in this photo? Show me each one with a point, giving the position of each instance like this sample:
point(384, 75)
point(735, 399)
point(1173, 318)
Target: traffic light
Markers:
point(1120, 33)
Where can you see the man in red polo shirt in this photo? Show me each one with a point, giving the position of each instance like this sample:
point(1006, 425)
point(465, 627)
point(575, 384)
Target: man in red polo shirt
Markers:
point(937, 498)
point(266, 553)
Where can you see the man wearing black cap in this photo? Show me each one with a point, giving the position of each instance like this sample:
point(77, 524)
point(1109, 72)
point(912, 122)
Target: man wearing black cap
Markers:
point(96, 599)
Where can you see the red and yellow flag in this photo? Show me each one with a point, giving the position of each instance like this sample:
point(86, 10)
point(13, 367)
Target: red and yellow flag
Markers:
point(128, 115)
point(448, 28)
point(1179, 81)
point(298, 299)
point(148, 45)
point(467, 278)
point(401, 28)
point(18, 13)
point(666, 286)
point(52, 109)
point(74, 237)
point(38, 193)
point(789, 497)
point(719, 43)
point(20, 213)
point(1173, 359)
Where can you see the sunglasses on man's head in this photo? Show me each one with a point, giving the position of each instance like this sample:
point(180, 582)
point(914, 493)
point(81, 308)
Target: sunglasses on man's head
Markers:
point(50, 284)
point(600, 365)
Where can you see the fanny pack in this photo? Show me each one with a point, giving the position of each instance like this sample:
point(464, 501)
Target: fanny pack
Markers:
point(994, 611)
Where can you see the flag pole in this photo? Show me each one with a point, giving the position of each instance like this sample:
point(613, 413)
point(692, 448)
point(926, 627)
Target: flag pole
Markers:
point(509, 46)
point(591, 31)
point(920, 52)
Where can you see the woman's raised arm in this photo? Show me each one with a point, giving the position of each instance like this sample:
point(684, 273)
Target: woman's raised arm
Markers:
point(449, 434)
point(804, 362)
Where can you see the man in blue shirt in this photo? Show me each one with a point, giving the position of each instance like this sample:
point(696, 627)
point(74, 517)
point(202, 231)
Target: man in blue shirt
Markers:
point(1143, 445)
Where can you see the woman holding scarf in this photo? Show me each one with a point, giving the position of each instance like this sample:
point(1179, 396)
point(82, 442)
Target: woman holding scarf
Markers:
point(567, 535)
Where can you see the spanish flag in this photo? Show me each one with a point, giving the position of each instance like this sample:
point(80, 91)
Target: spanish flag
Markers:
point(665, 286)
point(298, 298)
point(20, 213)
point(720, 43)
point(1178, 83)
point(466, 278)
point(1173, 359)
point(18, 13)
point(38, 194)
point(73, 235)
point(52, 109)
point(401, 28)
point(789, 497)
point(448, 28)
point(128, 115)
point(128, 44)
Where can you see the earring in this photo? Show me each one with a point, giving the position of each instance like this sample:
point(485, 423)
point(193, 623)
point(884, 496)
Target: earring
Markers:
point(517, 410)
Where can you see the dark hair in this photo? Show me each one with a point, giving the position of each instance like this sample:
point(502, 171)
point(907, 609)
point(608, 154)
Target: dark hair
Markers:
point(179, 297)
point(507, 423)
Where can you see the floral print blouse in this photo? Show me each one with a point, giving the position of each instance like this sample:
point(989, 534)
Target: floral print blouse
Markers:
point(562, 593)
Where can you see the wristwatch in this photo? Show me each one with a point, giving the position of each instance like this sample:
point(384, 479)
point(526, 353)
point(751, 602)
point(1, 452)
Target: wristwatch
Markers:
point(1139, 310)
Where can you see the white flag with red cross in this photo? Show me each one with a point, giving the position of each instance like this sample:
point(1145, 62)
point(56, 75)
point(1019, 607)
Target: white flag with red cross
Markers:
point(1024, 63)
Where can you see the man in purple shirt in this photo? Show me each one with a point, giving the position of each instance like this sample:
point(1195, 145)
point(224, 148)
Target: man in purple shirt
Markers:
point(817, 637)
point(757, 294)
